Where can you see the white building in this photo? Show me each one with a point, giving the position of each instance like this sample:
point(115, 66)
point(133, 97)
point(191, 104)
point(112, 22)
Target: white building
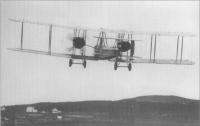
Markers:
point(31, 109)
point(59, 117)
point(3, 108)
point(55, 110)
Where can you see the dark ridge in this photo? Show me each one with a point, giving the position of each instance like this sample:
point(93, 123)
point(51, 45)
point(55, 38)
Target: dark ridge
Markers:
point(159, 99)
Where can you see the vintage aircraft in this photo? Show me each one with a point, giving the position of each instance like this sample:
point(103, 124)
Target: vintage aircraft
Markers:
point(123, 44)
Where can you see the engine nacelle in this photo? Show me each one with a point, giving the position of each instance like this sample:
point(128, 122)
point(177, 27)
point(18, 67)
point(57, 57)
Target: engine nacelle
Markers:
point(78, 42)
point(123, 46)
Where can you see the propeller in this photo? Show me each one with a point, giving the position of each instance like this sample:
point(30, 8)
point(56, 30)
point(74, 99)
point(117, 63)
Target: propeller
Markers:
point(71, 48)
point(70, 37)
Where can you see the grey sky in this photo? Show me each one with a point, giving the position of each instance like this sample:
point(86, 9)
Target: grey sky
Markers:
point(30, 78)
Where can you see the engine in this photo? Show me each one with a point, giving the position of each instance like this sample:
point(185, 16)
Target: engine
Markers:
point(78, 42)
point(123, 46)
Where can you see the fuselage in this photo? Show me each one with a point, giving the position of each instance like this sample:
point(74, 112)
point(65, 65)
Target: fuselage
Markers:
point(102, 52)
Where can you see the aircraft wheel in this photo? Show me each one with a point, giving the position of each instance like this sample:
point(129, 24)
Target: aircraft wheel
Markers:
point(129, 66)
point(84, 63)
point(70, 62)
point(115, 66)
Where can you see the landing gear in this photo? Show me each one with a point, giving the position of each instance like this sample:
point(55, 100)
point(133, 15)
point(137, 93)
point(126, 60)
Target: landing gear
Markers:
point(129, 66)
point(70, 62)
point(115, 66)
point(84, 63)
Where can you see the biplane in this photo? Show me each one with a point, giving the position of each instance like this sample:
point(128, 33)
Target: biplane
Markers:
point(123, 50)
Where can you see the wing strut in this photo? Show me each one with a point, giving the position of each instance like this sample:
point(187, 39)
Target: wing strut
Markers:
point(22, 34)
point(151, 47)
point(179, 57)
point(177, 48)
point(50, 36)
point(181, 50)
point(154, 57)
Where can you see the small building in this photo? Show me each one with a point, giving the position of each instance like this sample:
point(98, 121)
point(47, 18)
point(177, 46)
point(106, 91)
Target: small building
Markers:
point(59, 117)
point(55, 111)
point(31, 109)
point(3, 108)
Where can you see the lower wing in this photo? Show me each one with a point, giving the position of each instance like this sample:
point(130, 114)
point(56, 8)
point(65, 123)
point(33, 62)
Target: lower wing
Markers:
point(135, 60)
point(158, 61)
point(54, 54)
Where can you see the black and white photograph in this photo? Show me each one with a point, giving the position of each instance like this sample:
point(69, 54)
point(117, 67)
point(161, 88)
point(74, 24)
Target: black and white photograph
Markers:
point(99, 63)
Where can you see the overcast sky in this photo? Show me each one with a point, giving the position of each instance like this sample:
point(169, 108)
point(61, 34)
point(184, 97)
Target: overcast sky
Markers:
point(31, 78)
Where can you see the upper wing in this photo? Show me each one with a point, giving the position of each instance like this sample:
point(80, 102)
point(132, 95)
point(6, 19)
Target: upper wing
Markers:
point(51, 24)
point(107, 30)
point(54, 54)
point(150, 33)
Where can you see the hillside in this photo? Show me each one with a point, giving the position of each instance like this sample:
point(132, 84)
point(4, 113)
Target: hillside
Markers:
point(150, 109)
